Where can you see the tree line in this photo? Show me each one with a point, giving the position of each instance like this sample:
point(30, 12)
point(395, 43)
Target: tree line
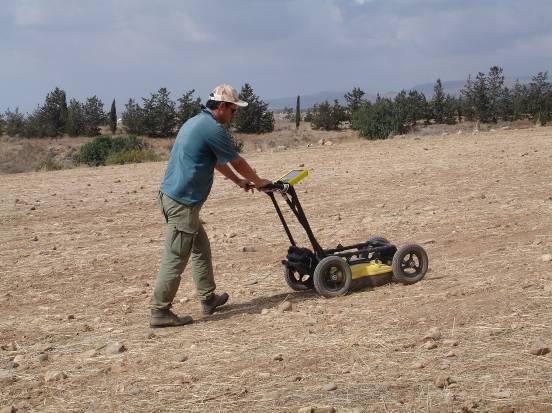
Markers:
point(485, 99)
point(156, 116)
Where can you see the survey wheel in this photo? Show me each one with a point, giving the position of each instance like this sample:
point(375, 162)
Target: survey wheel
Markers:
point(409, 264)
point(332, 277)
point(296, 281)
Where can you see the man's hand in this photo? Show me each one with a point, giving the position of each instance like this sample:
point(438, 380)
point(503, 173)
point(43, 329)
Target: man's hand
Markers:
point(261, 183)
point(246, 184)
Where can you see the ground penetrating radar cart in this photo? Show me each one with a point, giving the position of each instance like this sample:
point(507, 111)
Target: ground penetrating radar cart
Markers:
point(331, 272)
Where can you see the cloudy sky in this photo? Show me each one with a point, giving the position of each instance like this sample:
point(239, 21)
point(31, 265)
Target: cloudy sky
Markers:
point(129, 48)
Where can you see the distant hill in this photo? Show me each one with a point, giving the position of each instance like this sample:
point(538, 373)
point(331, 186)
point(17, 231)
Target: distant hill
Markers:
point(452, 87)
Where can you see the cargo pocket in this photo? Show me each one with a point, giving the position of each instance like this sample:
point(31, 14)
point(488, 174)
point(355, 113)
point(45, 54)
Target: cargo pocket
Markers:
point(182, 240)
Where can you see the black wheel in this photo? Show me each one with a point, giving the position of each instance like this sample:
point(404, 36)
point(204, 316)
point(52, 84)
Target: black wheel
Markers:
point(409, 264)
point(377, 240)
point(380, 240)
point(296, 281)
point(332, 277)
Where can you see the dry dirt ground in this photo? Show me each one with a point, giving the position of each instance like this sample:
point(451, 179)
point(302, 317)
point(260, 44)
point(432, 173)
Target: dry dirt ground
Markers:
point(80, 250)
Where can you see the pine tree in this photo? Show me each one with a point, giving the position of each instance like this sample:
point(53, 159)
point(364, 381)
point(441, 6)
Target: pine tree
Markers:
point(133, 118)
point(495, 90)
point(188, 107)
point(159, 114)
point(538, 98)
point(519, 101)
point(54, 113)
point(15, 123)
point(481, 97)
point(354, 100)
point(75, 118)
point(468, 99)
point(113, 117)
point(2, 124)
point(438, 102)
point(255, 117)
point(94, 116)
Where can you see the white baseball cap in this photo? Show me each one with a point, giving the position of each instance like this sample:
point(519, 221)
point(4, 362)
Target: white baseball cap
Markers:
point(226, 93)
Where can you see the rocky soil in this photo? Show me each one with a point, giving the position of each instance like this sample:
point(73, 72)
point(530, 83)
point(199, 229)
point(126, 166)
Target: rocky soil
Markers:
point(80, 249)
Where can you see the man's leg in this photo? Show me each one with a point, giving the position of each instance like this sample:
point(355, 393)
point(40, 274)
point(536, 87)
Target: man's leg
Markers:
point(175, 257)
point(202, 272)
point(202, 265)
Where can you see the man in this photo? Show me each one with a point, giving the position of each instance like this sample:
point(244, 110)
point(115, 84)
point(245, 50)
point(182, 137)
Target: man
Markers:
point(202, 145)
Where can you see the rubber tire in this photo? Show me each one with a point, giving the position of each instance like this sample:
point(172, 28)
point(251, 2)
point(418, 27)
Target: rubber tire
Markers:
point(320, 273)
point(398, 274)
point(380, 239)
point(294, 284)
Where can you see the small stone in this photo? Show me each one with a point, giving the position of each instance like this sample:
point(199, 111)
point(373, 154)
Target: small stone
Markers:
point(295, 379)
point(33, 208)
point(71, 317)
point(7, 377)
point(306, 410)
point(182, 358)
point(418, 365)
point(43, 357)
point(503, 394)
point(134, 391)
point(428, 241)
point(90, 353)
point(151, 335)
point(441, 381)
point(8, 409)
point(546, 258)
point(278, 357)
point(508, 409)
point(451, 343)
point(325, 409)
point(232, 235)
point(433, 333)
point(12, 365)
point(248, 249)
point(330, 387)
point(115, 348)
point(35, 238)
point(184, 300)
point(54, 375)
point(10, 346)
point(450, 354)
point(285, 306)
point(430, 345)
point(19, 359)
point(539, 351)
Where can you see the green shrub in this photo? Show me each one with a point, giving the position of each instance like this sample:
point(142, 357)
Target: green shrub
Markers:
point(131, 156)
point(118, 150)
point(95, 153)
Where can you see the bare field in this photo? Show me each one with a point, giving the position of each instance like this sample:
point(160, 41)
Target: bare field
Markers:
point(81, 247)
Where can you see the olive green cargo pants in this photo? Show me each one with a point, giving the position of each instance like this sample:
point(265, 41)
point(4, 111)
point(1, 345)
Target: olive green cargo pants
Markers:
point(184, 236)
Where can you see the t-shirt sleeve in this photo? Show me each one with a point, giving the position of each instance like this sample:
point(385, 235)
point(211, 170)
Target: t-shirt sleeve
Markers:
point(220, 144)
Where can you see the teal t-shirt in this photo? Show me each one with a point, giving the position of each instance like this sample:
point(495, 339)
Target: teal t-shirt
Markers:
point(200, 144)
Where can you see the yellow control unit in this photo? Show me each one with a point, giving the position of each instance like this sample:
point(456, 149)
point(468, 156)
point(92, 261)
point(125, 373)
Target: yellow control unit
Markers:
point(294, 176)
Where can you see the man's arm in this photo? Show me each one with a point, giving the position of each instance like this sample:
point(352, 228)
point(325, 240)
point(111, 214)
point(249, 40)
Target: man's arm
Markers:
point(244, 169)
point(227, 172)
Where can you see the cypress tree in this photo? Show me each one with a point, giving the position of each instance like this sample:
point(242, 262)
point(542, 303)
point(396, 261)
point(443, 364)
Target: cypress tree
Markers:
point(113, 118)
point(298, 112)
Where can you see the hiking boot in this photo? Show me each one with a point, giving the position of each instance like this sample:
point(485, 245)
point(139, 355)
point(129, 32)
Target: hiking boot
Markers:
point(166, 318)
point(209, 306)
